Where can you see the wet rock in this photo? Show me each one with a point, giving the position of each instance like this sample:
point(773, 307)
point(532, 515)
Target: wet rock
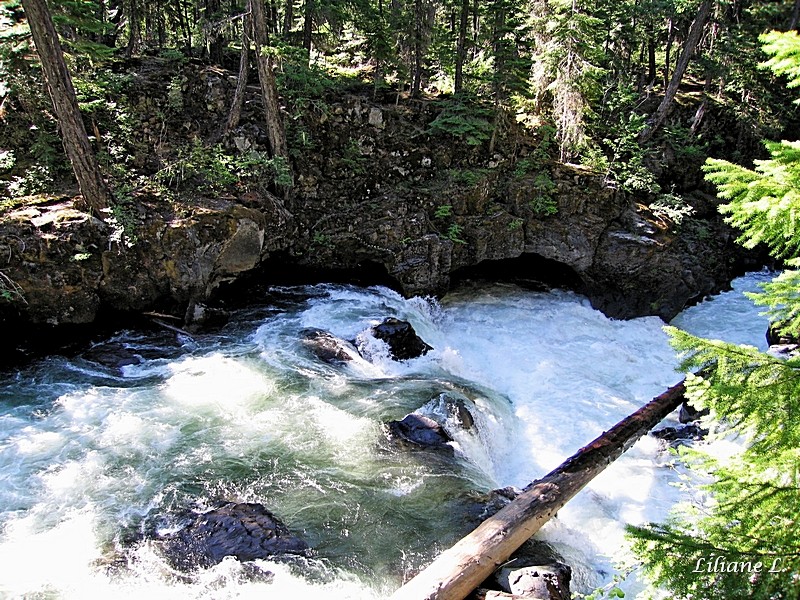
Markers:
point(784, 350)
point(479, 506)
point(246, 531)
point(327, 347)
point(535, 570)
point(679, 434)
point(689, 413)
point(780, 338)
point(199, 315)
point(403, 341)
point(112, 355)
point(415, 432)
point(782, 344)
point(456, 407)
point(543, 582)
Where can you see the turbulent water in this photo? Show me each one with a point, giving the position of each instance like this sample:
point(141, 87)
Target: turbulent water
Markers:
point(93, 456)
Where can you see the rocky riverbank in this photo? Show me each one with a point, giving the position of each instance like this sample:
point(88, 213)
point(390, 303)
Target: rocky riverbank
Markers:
point(379, 197)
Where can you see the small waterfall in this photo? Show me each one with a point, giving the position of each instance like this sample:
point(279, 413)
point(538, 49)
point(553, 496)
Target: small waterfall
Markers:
point(100, 449)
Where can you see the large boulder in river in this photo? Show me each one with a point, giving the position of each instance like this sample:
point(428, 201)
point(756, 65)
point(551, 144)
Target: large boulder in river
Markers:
point(536, 570)
point(327, 347)
point(403, 341)
point(416, 432)
point(246, 531)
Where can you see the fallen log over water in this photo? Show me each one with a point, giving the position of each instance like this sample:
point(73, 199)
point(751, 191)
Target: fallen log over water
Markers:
point(458, 571)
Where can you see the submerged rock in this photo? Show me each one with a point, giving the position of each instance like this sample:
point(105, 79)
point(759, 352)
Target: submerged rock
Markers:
point(457, 407)
point(246, 531)
point(479, 506)
point(689, 413)
point(403, 341)
point(679, 434)
point(328, 347)
point(417, 431)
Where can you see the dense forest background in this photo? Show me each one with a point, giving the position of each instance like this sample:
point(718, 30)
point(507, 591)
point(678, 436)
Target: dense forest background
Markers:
point(622, 87)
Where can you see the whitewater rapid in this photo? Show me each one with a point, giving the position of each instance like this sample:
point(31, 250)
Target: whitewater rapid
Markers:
point(92, 455)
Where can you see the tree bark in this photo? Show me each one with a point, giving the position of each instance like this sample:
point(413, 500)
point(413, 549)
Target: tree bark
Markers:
point(459, 570)
point(59, 83)
point(308, 25)
point(241, 83)
point(416, 75)
point(215, 41)
point(689, 47)
point(795, 15)
point(668, 50)
point(266, 76)
point(288, 18)
point(652, 73)
point(461, 46)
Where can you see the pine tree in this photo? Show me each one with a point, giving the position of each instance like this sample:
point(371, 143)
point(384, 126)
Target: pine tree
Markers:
point(754, 515)
point(566, 68)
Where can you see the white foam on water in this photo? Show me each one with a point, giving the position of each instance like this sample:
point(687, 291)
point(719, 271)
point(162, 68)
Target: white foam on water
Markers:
point(543, 373)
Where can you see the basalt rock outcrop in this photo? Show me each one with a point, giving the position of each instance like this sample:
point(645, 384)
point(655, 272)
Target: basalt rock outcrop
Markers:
point(327, 347)
point(403, 341)
point(376, 191)
point(246, 531)
point(418, 432)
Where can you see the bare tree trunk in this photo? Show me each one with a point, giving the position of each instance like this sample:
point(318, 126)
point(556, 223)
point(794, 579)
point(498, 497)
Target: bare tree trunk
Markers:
point(460, 569)
point(701, 110)
point(241, 82)
point(416, 75)
point(273, 17)
point(161, 26)
point(215, 41)
point(461, 46)
point(476, 22)
point(308, 25)
point(59, 83)
point(668, 50)
point(135, 30)
point(288, 18)
point(266, 75)
point(689, 47)
point(795, 15)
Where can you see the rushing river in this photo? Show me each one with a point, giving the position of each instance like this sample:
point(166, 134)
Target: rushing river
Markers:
point(92, 454)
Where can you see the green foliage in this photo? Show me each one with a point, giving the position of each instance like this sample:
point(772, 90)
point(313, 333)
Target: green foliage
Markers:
point(454, 232)
point(784, 49)
point(443, 211)
point(618, 154)
point(763, 202)
point(673, 207)
point(686, 145)
point(567, 68)
point(466, 121)
point(753, 515)
point(211, 171)
point(121, 218)
point(305, 85)
point(543, 206)
point(10, 291)
point(468, 177)
point(321, 239)
point(175, 93)
point(353, 159)
point(543, 203)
